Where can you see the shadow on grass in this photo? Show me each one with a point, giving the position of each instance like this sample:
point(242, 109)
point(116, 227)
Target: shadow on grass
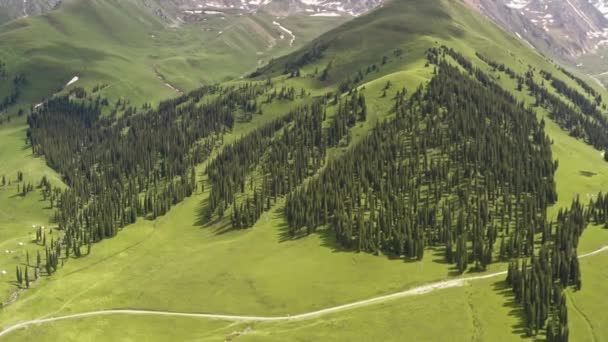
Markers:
point(219, 225)
point(502, 288)
point(587, 173)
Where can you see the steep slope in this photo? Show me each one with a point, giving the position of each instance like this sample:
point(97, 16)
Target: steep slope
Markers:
point(564, 29)
point(396, 36)
point(574, 32)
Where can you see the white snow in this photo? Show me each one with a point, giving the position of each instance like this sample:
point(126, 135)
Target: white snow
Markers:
point(518, 4)
point(601, 6)
point(293, 37)
point(311, 2)
point(72, 81)
point(326, 14)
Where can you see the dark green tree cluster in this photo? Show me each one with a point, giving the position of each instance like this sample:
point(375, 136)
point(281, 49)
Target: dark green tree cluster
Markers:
point(18, 82)
point(586, 87)
point(350, 83)
point(351, 109)
point(295, 153)
point(3, 70)
point(314, 53)
point(436, 55)
point(597, 210)
point(132, 166)
point(538, 285)
point(582, 117)
point(497, 66)
point(285, 93)
point(461, 165)
point(229, 170)
point(273, 160)
point(590, 126)
point(23, 276)
point(579, 100)
point(303, 57)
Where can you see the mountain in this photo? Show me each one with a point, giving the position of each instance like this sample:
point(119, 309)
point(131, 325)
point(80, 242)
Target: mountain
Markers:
point(177, 10)
point(145, 49)
point(574, 32)
point(12, 9)
point(566, 29)
point(277, 7)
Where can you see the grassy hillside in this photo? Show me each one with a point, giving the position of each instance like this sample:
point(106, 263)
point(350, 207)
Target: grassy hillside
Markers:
point(125, 46)
point(178, 262)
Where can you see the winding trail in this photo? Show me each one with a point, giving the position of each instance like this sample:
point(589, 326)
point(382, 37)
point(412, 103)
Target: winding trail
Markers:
point(237, 318)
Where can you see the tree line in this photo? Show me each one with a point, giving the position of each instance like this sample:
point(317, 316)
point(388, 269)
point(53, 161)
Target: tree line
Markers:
point(138, 165)
point(250, 175)
point(538, 280)
point(440, 173)
point(538, 284)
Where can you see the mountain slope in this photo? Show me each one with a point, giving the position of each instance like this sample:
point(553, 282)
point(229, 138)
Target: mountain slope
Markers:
point(396, 35)
point(13, 9)
point(276, 7)
point(139, 54)
point(574, 32)
point(564, 29)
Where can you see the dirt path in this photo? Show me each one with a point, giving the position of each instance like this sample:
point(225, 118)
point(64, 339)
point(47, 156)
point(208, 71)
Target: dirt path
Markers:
point(236, 318)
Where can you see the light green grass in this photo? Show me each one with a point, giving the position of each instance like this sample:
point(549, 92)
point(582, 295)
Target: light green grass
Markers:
point(17, 213)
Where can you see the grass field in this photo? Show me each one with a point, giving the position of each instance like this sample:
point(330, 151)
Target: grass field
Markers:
point(17, 213)
point(177, 263)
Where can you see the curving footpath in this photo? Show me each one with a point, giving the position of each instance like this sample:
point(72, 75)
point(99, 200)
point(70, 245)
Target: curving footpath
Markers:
point(236, 318)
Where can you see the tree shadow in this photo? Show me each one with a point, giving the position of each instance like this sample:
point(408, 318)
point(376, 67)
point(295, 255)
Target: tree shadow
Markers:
point(438, 254)
point(587, 173)
point(502, 288)
point(220, 225)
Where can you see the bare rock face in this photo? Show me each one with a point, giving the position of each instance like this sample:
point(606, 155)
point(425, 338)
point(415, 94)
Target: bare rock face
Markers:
point(13, 9)
point(280, 7)
point(177, 11)
point(565, 29)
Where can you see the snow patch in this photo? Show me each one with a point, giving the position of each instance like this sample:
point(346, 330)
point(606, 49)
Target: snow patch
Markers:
point(293, 37)
point(517, 4)
point(326, 14)
point(72, 81)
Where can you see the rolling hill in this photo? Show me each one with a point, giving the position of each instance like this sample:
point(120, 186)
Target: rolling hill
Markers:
point(158, 56)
